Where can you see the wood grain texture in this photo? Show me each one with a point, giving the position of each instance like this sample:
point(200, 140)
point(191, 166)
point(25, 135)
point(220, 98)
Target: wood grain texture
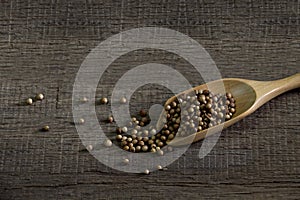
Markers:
point(43, 44)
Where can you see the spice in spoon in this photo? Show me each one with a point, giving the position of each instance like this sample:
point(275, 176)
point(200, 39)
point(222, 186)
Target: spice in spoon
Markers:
point(186, 115)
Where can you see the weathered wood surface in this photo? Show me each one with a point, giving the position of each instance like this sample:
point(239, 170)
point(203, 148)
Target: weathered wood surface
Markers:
point(43, 44)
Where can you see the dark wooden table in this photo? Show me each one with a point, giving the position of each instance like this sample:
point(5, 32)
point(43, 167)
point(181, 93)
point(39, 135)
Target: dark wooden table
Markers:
point(43, 44)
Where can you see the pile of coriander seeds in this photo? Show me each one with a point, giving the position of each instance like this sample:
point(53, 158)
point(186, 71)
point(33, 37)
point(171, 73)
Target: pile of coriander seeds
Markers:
point(186, 115)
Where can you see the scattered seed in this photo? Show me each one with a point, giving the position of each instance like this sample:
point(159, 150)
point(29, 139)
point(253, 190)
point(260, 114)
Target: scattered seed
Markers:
point(84, 100)
point(126, 161)
point(110, 119)
point(104, 100)
point(46, 128)
point(39, 97)
point(123, 100)
point(160, 152)
point(124, 129)
point(90, 147)
point(81, 121)
point(29, 101)
point(159, 167)
point(108, 143)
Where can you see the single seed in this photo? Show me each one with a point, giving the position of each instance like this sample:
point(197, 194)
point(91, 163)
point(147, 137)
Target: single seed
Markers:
point(123, 100)
point(220, 115)
point(174, 104)
point(108, 143)
point(126, 161)
point(170, 148)
point(168, 107)
point(39, 97)
point(119, 130)
point(135, 141)
point(29, 101)
point(124, 129)
point(229, 95)
point(190, 110)
point(144, 119)
point(160, 144)
point(124, 143)
point(159, 167)
point(134, 131)
point(146, 171)
point(132, 148)
point(232, 110)
point(126, 148)
point(160, 152)
point(119, 137)
point(153, 132)
point(133, 119)
point(153, 150)
point(141, 143)
point(104, 100)
point(138, 148)
point(145, 148)
point(81, 121)
point(163, 138)
point(90, 147)
point(150, 142)
point(110, 119)
point(84, 100)
point(171, 137)
point(46, 128)
point(143, 113)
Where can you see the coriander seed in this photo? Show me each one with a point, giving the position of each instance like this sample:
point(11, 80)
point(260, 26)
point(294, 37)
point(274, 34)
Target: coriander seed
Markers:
point(146, 171)
point(108, 143)
point(104, 100)
point(39, 97)
point(81, 121)
point(123, 100)
point(46, 128)
point(124, 129)
point(126, 161)
point(29, 101)
point(89, 147)
point(84, 100)
point(160, 152)
point(119, 137)
point(143, 113)
point(145, 148)
point(110, 119)
point(159, 167)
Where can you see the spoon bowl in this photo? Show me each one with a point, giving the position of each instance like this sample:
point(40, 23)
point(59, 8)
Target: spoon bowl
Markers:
point(249, 96)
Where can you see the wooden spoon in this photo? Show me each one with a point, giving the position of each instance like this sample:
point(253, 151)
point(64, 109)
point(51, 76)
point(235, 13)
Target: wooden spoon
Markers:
point(249, 96)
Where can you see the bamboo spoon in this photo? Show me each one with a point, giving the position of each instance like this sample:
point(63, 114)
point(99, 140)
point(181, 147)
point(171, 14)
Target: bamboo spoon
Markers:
point(249, 96)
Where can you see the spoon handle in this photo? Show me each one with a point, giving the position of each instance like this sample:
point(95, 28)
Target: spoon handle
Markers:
point(267, 90)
